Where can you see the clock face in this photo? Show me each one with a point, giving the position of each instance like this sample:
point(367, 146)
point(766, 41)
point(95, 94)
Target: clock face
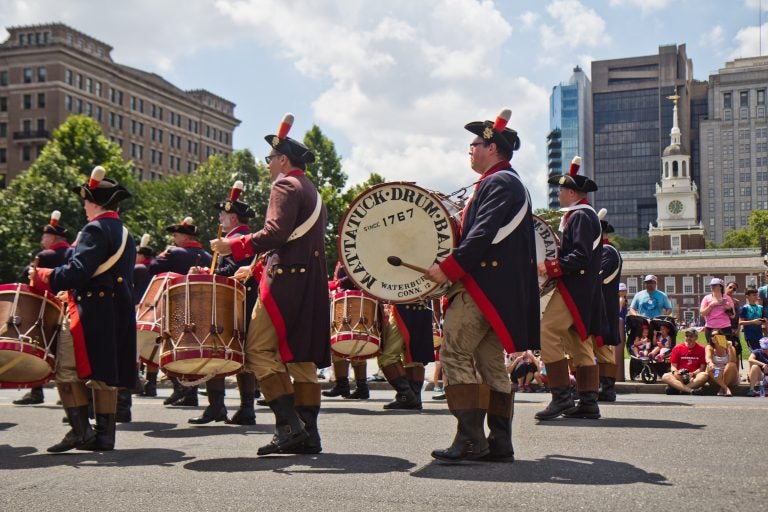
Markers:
point(675, 206)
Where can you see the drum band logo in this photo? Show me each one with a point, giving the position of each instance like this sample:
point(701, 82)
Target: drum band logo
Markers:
point(386, 216)
point(548, 239)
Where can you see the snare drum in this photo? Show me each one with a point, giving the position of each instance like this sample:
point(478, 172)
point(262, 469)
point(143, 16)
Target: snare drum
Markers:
point(29, 327)
point(355, 325)
point(203, 326)
point(149, 319)
point(400, 219)
point(547, 248)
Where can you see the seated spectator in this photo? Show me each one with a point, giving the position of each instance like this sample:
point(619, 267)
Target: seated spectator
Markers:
point(642, 345)
point(717, 309)
point(721, 363)
point(758, 367)
point(752, 321)
point(688, 364)
point(663, 344)
point(522, 368)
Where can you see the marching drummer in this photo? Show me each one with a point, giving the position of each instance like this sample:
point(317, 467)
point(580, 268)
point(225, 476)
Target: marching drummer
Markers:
point(56, 252)
point(185, 253)
point(575, 313)
point(233, 218)
point(610, 269)
point(494, 300)
point(141, 280)
point(102, 348)
point(289, 333)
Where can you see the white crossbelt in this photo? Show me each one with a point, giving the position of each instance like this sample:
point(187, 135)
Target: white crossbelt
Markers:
point(579, 207)
point(506, 230)
point(305, 226)
point(615, 272)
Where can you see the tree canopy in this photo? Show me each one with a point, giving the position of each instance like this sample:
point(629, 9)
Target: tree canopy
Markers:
point(749, 236)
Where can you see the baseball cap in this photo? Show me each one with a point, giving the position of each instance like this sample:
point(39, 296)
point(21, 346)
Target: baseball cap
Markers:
point(650, 277)
point(764, 343)
point(622, 287)
point(692, 330)
point(715, 281)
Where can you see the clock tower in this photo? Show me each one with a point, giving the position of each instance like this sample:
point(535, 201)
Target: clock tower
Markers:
point(677, 225)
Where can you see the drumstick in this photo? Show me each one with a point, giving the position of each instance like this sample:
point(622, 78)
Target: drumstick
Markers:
point(34, 267)
point(396, 262)
point(215, 253)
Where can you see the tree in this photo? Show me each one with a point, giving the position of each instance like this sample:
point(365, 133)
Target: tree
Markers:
point(749, 236)
point(65, 162)
point(640, 243)
point(551, 216)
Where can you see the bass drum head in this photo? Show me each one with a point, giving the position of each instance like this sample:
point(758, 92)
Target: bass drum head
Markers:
point(546, 249)
point(396, 219)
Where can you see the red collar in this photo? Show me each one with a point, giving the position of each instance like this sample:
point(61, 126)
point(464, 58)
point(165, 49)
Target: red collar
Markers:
point(241, 229)
point(106, 215)
point(60, 245)
point(192, 244)
point(295, 172)
point(496, 168)
point(606, 241)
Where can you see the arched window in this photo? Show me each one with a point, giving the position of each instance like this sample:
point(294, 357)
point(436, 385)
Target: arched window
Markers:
point(666, 169)
point(685, 169)
point(674, 169)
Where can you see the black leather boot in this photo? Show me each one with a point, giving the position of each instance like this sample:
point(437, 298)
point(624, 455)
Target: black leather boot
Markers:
point(150, 387)
point(470, 442)
point(289, 429)
point(105, 433)
point(405, 398)
point(415, 376)
point(312, 444)
point(188, 398)
point(124, 403)
point(340, 388)
point(33, 397)
point(500, 413)
point(216, 410)
point(361, 391)
point(178, 392)
point(246, 414)
point(607, 391)
point(81, 436)
point(561, 402)
point(587, 407)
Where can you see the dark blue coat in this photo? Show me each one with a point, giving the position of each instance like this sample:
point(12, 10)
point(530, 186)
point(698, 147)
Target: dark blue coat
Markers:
point(141, 279)
point(102, 315)
point(180, 259)
point(611, 275)
point(414, 320)
point(53, 257)
point(228, 265)
point(501, 278)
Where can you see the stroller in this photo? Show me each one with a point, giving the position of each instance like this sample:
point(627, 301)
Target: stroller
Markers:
point(649, 369)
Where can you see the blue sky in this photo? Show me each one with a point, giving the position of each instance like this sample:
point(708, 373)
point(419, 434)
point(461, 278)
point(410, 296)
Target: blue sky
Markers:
point(392, 83)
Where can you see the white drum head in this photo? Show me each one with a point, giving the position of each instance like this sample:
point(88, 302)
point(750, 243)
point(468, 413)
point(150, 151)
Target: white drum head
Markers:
point(546, 249)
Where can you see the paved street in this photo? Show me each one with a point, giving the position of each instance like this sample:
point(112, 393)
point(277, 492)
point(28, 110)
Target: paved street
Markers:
point(648, 450)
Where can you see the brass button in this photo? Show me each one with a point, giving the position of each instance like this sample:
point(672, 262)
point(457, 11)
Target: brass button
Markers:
point(317, 253)
point(79, 297)
point(119, 279)
point(494, 263)
point(249, 288)
point(582, 272)
point(303, 270)
point(293, 271)
point(279, 271)
point(483, 264)
point(88, 294)
point(101, 294)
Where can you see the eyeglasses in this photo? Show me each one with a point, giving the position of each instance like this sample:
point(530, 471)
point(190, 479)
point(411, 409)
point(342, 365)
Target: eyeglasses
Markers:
point(269, 158)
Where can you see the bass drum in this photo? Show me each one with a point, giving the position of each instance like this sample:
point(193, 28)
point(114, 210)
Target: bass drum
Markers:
point(399, 219)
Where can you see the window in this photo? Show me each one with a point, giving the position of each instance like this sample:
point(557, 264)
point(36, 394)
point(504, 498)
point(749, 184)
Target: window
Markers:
point(669, 285)
point(745, 191)
point(68, 103)
point(761, 96)
point(26, 153)
point(26, 126)
point(98, 113)
point(78, 106)
point(97, 88)
point(27, 75)
point(705, 283)
point(68, 76)
point(675, 242)
point(3, 104)
point(4, 77)
point(727, 100)
point(687, 285)
point(751, 281)
point(3, 159)
point(631, 285)
point(133, 102)
point(26, 101)
point(40, 125)
point(42, 74)
point(3, 129)
point(79, 81)
point(41, 100)
point(743, 99)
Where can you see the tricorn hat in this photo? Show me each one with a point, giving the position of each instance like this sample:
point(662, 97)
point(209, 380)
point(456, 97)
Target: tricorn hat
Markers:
point(496, 131)
point(604, 224)
point(53, 228)
point(144, 247)
point(232, 205)
point(281, 143)
point(101, 190)
point(186, 227)
point(573, 180)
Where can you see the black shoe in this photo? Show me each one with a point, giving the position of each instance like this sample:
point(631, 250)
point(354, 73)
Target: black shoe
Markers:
point(361, 392)
point(587, 407)
point(123, 416)
point(312, 444)
point(561, 402)
point(470, 442)
point(186, 401)
point(150, 387)
point(124, 403)
point(607, 391)
point(405, 398)
point(34, 397)
point(439, 397)
point(210, 414)
point(289, 428)
point(671, 391)
point(244, 416)
point(340, 388)
point(81, 436)
point(262, 402)
point(105, 434)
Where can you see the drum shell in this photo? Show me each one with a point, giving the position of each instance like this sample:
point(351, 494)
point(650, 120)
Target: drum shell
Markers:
point(437, 322)
point(30, 361)
point(355, 325)
point(194, 306)
point(149, 317)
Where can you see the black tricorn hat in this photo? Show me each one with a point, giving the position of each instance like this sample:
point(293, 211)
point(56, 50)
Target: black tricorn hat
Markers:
point(232, 205)
point(186, 227)
point(101, 190)
point(53, 228)
point(281, 143)
point(144, 247)
point(573, 180)
point(606, 227)
point(496, 131)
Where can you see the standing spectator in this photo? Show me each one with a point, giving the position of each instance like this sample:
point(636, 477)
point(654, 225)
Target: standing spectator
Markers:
point(619, 353)
point(752, 320)
point(758, 367)
point(730, 289)
point(650, 302)
point(688, 363)
point(717, 309)
point(721, 363)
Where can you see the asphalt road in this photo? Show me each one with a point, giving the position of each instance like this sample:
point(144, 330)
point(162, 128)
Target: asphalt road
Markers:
point(656, 451)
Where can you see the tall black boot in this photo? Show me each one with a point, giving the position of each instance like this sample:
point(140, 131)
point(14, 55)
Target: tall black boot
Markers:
point(246, 414)
point(81, 436)
point(216, 410)
point(587, 380)
point(607, 391)
point(559, 386)
point(124, 403)
point(500, 413)
point(415, 376)
point(361, 391)
point(405, 398)
point(178, 391)
point(340, 388)
point(105, 433)
point(311, 445)
point(33, 397)
point(289, 429)
point(150, 387)
point(468, 403)
point(188, 398)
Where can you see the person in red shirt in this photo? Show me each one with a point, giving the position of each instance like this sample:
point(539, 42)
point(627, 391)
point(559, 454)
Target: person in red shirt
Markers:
point(688, 363)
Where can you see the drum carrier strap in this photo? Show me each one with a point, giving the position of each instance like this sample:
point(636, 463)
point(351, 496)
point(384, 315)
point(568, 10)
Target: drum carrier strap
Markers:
point(113, 259)
point(506, 230)
point(305, 226)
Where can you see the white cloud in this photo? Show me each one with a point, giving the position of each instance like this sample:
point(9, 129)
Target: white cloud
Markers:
point(576, 26)
point(755, 4)
point(529, 19)
point(645, 6)
point(748, 42)
point(713, 38)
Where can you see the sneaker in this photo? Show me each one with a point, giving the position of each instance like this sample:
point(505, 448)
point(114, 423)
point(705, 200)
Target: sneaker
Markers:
point(437, 389)
point(751, 392)
point(697, 391)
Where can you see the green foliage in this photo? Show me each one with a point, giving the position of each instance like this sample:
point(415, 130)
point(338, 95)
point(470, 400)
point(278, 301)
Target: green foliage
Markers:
point(749, 236)
point(640, 243)
point(65, 162)
point(551, 216)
